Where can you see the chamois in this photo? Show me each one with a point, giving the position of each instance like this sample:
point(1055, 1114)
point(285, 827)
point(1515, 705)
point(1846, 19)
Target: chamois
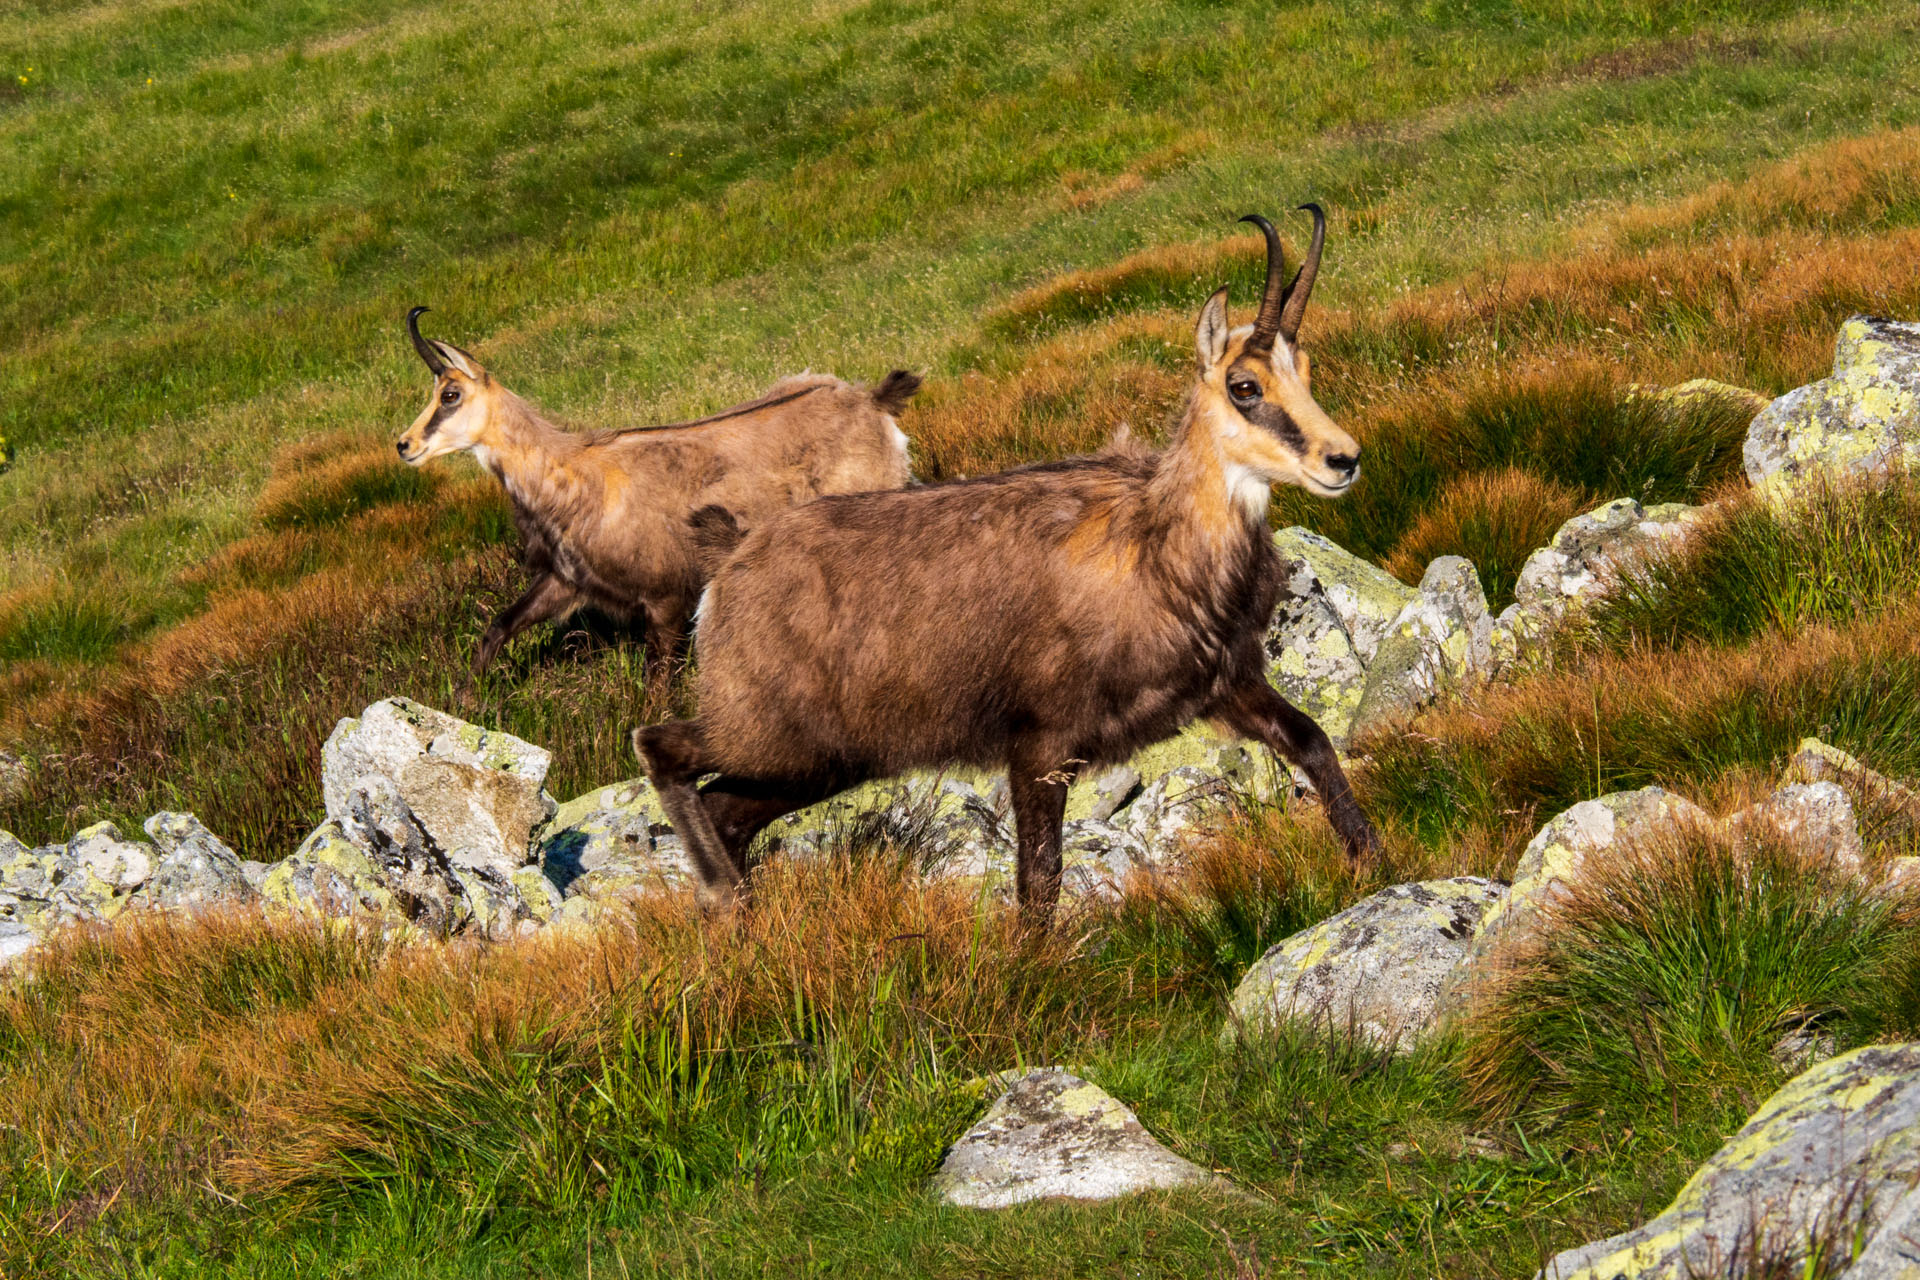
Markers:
point(1047, 618)
point(626, 520)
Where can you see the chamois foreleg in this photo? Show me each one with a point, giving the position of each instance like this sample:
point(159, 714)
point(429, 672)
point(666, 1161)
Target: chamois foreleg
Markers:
point(1038, 782)
point(1256, 710)
point(741, 808)
point(548, 597)
point(675, 758)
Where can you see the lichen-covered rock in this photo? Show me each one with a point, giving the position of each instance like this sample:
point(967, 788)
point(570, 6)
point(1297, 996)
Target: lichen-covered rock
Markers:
point(477, 792)
point(1105, 794)
point(1892, 1250)
point(1557, 856)
point(1700, 392)
point(1441, 640)
point(1887, 807)
point(410, 861)
point(1173, 807)
point(1837, 1147)
point(98, 873)
point(196, 868)
point(613, 840)
point(1097, 858)
point(1366, 599)
point(1375, 969)
point(1815, 817)
point(1310, 656)
point(1054, 1136)
point(13, 770)
point(329, 877)
point(1862, 421)
point(1589, 553)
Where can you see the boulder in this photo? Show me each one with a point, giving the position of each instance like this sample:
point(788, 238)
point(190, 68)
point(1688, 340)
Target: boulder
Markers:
point(329, 877)
point(196, 868)
point(613, 840)
point(1441, 640)
point(1885, 810)
point(478, 793)
point(1588, 555)
point(1105, 794)
point(1834, 1152)
point(1375, 969)
point(1556, 857)
point(1892, 1250)
point(1311, 658)
point(1054, 1136)
point(1365, 598)
point(1862, 421)
point(1816, 817)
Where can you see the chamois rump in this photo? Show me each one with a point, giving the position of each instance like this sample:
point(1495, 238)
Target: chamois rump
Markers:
point(1047, 618)
point(631, 521)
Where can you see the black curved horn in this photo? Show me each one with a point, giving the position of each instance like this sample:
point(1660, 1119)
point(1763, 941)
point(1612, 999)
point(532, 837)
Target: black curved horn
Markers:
point(1267, 322)
point(1302, 287)
point(434, 360)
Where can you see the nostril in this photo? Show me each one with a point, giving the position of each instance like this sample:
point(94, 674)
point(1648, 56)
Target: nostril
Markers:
point(401, 446)
point(1345, 463)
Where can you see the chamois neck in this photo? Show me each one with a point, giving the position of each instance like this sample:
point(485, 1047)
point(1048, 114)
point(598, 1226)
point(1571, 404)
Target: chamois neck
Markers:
point(519, 446)
point(1197, 489)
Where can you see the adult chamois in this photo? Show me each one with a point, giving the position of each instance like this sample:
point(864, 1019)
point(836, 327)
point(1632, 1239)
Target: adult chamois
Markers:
point(1047, 618)
point(624, 520)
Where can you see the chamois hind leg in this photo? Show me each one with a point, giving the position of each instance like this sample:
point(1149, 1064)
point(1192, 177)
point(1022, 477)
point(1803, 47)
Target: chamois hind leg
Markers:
point(741, 808)
point(548, 597)
point(675, 756)
point(1038, 780)
point(1256, 710)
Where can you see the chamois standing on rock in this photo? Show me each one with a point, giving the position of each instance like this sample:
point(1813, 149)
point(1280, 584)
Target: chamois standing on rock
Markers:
point(629, 521)
point(1047, 618)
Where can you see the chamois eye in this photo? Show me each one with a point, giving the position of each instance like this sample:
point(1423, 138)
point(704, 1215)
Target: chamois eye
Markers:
point(1246, 390)
point(450, 396)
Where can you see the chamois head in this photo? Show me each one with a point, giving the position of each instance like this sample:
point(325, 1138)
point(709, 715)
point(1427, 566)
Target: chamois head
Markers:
point(457, 416)
point(1254, 389)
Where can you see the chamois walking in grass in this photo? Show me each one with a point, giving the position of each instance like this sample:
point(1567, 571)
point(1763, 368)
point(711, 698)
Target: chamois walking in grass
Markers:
point(1047, 618)
point(627, 520)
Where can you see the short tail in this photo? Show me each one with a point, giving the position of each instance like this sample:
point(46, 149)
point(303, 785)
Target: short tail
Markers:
point(715, 535)
point(895, 390)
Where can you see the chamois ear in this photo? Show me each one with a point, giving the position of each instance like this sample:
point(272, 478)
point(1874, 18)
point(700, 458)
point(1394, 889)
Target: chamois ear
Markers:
point(459, 359)
point(1210, 335)
point(1303, 367)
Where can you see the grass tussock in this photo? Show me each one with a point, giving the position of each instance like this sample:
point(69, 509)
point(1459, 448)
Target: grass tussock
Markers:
point(1653, 994)
point(1496, 519)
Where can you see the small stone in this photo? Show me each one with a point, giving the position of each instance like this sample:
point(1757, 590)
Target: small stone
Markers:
point(1098, 858)
point(1054, 1136)
point(196, 868)
point(1173, 807)
point(1815, 817)
point(1374, 970)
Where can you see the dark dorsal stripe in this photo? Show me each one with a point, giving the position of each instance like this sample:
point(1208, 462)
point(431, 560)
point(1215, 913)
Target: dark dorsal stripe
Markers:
point(738, 411)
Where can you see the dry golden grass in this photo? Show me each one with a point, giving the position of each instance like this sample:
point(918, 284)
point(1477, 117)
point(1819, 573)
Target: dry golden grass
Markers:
point(1495, 518)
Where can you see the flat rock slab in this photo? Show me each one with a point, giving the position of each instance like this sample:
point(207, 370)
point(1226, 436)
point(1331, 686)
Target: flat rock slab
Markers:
point(1054, 1136)
point(1375, 969)
point(1837, 1147)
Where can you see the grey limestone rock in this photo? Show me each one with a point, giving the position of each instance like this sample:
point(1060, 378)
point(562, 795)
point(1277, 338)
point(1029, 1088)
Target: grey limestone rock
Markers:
point(1441, 640)
point(476, 791)
point(612, 841)
point(1815, 817)
point(1054, 1136)
point(1838, 1147)
point(1862, 421)
point(196, 867)
point(1375, 969)
point(1364, 598)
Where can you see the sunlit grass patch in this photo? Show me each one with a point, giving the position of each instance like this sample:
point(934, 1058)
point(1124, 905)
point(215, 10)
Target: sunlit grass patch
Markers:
point(1494, 518)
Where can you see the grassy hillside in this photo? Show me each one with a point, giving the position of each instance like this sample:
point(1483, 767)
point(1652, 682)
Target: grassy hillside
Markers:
point(215, 216)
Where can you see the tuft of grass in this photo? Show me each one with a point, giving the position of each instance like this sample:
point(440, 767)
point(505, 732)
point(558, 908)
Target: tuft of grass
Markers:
point(1651, 996)
point(1496, 519)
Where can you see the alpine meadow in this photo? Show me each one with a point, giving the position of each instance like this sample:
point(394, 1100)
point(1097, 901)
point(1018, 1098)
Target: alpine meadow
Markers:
point(344, 933)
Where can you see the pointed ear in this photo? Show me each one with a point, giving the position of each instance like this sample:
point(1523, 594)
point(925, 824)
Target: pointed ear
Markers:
point(1303, 367)
point(1210, 335)
point(460, 360)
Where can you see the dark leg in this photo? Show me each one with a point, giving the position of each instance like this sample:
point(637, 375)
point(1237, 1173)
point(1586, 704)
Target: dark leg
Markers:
point(675, 758)
point(548, 597)
point(1038, 780)
point(1256, 710)
point(741, 808)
